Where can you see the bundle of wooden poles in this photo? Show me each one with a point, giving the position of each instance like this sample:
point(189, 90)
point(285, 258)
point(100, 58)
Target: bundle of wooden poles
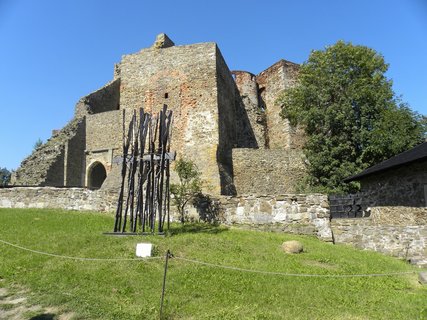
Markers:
point(144, 197)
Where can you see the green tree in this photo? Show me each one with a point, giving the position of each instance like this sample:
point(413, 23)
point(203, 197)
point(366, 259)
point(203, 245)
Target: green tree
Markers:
point(189, 186)
point(4, 176)
point(350, 113)
point(38, 143)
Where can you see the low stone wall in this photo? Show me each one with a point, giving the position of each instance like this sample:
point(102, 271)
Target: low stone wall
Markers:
point(62, 198)
point(396, 231)
point(302, 214)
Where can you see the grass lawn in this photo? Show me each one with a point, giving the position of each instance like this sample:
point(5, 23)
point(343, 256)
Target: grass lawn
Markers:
point(132, 289)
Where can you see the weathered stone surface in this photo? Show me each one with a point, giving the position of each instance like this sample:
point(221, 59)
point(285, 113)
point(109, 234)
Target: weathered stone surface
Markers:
point(163, 41)
point(273, 81)
point(399, 216)
point(404, 241)
point(402, 186)
point(422, 277)
point(292, 246)
point(261, 172)
point(213, 113)
point(242, 211)
point(62, 198)
point(289, 214)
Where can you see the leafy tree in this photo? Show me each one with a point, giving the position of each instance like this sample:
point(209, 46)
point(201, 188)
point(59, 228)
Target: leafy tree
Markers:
point(350, 113)
point(4, 176)
point(38, 143)
point(189, 187)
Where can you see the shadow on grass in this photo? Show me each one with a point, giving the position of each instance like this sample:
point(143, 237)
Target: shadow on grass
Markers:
point(44, 316)
point(176, 229)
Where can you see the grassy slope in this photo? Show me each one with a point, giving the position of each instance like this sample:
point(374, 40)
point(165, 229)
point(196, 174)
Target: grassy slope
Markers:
point(131, 290)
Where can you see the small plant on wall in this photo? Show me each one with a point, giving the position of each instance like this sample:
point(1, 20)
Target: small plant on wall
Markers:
point(189, 186)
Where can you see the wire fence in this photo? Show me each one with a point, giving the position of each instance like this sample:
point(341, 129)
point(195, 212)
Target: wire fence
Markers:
point(212, 265)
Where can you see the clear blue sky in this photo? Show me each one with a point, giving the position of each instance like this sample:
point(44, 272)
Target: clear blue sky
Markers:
point(55, 51)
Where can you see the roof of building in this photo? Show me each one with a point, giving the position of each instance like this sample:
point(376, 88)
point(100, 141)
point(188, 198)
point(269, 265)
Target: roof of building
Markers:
point(419, 152)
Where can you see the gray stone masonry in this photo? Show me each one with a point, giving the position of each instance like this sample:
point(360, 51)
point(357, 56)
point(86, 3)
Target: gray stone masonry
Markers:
point(403, 186)
point(396, 231)
point(213, 110)
point(45, 166)
point(258, 171)
point(301, 214)
point(293, 213)
point(59, 198)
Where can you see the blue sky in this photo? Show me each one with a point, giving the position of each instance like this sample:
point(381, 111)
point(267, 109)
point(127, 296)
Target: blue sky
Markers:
point(54, 52)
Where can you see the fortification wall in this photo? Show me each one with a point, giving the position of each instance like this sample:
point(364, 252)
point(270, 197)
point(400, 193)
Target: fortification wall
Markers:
point(184, 78)
point(74, 157)
point(404, 187)
point(272, 82)
point(227, 96)
point(396, 231)
point(104, 130)
point(259, 171)
point(45, 166)
point(251, 120)
point(105, 99)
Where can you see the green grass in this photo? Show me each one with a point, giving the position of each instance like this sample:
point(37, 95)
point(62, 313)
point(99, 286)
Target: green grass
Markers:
point(131, 290)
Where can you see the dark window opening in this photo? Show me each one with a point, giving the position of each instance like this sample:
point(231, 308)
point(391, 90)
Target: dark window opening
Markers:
point(97, 175)
point(166, 95)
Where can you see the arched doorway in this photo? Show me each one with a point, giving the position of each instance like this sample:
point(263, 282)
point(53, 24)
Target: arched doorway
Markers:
point(96, 175)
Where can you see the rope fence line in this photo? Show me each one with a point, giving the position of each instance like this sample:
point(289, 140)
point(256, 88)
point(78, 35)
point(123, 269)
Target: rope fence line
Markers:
point(213, 265)
point(78, 258)
point(294, 274)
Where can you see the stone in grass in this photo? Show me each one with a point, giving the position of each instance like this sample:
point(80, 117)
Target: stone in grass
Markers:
point(292, 246)
point(422, 277)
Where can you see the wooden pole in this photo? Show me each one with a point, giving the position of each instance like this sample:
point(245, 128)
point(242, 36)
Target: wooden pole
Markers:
point(164, 284)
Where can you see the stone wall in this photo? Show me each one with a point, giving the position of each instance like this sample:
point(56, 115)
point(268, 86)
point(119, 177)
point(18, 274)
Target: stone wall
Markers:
point(272, 82)
point(396, 231)
point(403, 186)
point(251, 120)
point(105, 99)
point(62, 198)
point(211, 117)
point(264, 171)
point(184, 78)
point(104, 131)
point(74, 161)
point(227, 96)
point(45, 166)
point(294, 213)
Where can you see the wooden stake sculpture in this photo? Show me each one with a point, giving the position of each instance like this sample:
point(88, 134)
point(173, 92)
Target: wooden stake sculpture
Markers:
point(145, 173)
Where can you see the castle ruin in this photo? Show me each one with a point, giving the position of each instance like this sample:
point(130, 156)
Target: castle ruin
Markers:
point(227, 122)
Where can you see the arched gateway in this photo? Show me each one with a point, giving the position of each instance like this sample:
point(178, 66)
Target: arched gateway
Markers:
point(96, 175)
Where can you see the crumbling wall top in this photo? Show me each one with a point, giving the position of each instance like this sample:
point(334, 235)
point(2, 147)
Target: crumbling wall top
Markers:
point(163, 41)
